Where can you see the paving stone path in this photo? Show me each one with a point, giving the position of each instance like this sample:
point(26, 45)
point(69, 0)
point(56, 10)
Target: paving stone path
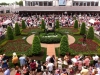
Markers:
point(51, 47)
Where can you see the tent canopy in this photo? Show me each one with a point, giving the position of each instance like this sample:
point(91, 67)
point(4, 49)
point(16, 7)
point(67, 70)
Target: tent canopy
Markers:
point(92, 21)
point(7, 22)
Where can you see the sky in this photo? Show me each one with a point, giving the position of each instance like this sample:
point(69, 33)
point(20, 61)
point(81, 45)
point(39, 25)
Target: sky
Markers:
point(9, 1)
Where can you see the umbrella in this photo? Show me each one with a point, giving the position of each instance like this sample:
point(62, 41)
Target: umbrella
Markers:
point(92, 21)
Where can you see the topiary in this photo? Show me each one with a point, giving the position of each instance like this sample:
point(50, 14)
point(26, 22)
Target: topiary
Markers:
point(64, 46)
point(17, 29)
point(36, 46)
point(76, 24)
point(57, 24)
point(43, 25)
point(10, 34)
point(90, 33)
point(83, 29)
point(23, 24)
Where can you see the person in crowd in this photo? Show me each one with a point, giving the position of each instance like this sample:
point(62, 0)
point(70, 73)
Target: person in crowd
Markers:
point(6, 71)
point(4, 61)
point(97, 65)
point(59, 64)
point(95, 59)
point(33, 67)
point(25, 70)
point(15, 59)
point(84, 71)
point(66, 59)
point(22, 60)
point(50, 67)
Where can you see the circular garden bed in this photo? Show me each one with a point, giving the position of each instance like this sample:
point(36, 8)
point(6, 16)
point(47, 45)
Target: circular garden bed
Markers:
point(50, 37)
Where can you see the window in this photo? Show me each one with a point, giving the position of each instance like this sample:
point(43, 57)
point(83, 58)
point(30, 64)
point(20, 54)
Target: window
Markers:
point(50, 3)
point(76, 3)
point(36, 3)
point(88, 3)
point(45, 3)
point(96, 3)
point(92, 3)
point(40, 3)
point(81, 4)
point(73, 3)
point(33, 3)
point(85, 4)
point(7, 11)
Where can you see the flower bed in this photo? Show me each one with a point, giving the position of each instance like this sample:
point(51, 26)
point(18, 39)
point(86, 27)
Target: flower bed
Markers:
point(19, 46)
point(91, 46)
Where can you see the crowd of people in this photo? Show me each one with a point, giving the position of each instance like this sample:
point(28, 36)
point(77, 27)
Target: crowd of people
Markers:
point(64, 20)
point(68, 65)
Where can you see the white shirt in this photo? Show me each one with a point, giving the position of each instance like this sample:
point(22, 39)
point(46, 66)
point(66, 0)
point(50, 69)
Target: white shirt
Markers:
point(95, 58)
point(50, 66)
point(48, 58)
point(7, 72)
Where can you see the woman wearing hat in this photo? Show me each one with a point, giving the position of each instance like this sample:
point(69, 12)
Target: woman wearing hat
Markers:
point(15, 59)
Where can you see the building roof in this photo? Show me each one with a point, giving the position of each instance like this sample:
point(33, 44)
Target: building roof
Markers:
point(58, 8)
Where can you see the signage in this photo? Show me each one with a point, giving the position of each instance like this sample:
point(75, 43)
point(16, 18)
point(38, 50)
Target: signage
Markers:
point(62, 2)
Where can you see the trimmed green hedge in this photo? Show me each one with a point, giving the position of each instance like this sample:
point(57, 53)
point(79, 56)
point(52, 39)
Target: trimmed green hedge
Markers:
point(50, 38)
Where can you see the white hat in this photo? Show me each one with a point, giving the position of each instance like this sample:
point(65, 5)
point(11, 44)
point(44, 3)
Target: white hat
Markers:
point(59, 59)
point(14, 54)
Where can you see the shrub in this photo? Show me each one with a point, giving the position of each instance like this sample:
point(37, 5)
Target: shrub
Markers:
point(17, 29)
point(36, 46)
point(23, 24)
point(83, 29)
point(43, 25)
point(90, 33)
point(64, 46)
point(10, 34)
point(57, 24)
point(50, 38)
point(76, 24)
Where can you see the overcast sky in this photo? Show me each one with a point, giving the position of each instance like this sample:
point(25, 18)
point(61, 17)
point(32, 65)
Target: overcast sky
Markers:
point(9, 1)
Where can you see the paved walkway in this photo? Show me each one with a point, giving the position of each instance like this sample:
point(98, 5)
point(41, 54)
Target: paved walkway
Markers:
point(50, 47)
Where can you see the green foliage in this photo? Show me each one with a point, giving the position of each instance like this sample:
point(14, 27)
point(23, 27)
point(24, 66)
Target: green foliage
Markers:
point(23, 24)
point(43, 25)
point(20, 3)
point(3, 3)
point(17, 29)
point(10, 34)
point(50, 38)
point(90, 33)
point(83, 29)
point(76, 24)
point(36, 46)
point(64, 46)
point(57, 24)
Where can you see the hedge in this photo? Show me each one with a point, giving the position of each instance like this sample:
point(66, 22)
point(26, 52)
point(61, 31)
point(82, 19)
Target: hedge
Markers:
point(36, 46)
point(10, 34)
point(90, 34)
point(17, 29)
point(83, 29)
point(76, 24)
point(64, 46)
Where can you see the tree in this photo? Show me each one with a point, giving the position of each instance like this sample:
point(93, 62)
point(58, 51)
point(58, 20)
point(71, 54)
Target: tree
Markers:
point(36, 46)
point(3, 3)
point(76, 24)
point(20, 3)
point(90, 33)
point(23, 24)
point(17, 29)
point(43, 25)
point(64, 46)
point(10, 34)
point(83, 29)
point(57, 24)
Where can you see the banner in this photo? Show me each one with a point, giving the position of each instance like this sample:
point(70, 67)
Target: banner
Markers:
point(62, 2)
